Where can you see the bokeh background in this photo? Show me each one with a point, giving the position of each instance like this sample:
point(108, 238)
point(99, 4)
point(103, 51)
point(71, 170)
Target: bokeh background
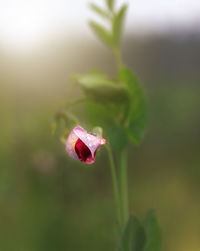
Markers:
point(49, 202)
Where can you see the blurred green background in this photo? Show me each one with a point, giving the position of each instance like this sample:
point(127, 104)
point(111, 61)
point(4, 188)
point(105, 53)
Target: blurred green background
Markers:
point(50, 202)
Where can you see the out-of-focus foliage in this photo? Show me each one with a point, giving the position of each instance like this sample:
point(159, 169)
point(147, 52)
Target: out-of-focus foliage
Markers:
point(108, 116)
point(128, 117)
point(116, 104)
point(102, 33)
point(103, 13)
point(110, 4)
point(117, 27)
point(46, 200)
point(136, 112)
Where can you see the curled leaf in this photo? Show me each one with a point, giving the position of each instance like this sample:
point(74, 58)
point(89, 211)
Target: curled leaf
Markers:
point(99, 87)
point(118, 24)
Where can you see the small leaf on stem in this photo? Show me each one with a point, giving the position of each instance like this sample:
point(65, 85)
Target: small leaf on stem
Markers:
point(110, 4)
point(102, 33)
point(99, 87)
point(133, 237)
point(153, 232)
point(118, 24)
point(99, 11)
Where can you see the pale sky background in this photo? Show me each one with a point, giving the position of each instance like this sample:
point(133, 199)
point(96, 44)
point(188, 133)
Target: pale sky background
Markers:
point(26, 22)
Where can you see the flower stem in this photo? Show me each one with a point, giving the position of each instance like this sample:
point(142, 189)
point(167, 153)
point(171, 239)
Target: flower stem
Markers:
point(123, 185)
point(115, 185)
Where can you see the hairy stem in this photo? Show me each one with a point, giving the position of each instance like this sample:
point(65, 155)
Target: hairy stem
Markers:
point(115, 185)
point(123, 185)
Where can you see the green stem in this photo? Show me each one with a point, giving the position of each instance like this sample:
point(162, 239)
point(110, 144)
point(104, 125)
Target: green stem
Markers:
point(115, 185)
point(123, 185)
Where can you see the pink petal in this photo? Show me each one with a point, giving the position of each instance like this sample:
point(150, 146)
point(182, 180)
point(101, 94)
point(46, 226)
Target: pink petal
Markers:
point(70, 145)
point(91, 141)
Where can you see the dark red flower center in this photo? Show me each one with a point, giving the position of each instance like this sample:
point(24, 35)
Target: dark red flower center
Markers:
point(82, 151)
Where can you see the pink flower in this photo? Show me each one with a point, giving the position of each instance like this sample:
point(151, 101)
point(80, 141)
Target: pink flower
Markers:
point(82, 145)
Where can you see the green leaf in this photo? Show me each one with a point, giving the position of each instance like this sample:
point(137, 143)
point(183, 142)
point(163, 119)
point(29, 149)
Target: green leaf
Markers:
point(99, 11)
point(136, 114)
point(118, 24)
point(104, 35)
point(110, 4)
point(108, 116)
point(133, 237)
point(99, 87)
point(153, 232)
